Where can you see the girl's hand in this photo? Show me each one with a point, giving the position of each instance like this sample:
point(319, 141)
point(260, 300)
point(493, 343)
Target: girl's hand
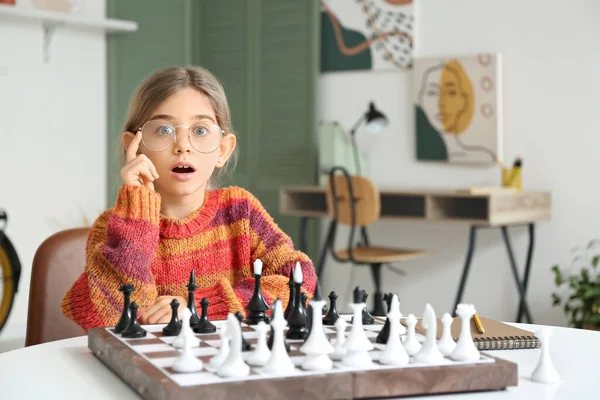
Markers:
point(138, 169)
point(160, 311)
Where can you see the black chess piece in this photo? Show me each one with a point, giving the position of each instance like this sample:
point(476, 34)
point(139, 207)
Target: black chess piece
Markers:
point(204, 325)
point(194, 319)
point(125, 320)
point(174, 326)
point(245, 345)
point(384, 334)
point(290, 305)
point(257, 305)
point(298, 318)
point(134, 330)
point(332, 314)
point(366, 316)
point(309, 312)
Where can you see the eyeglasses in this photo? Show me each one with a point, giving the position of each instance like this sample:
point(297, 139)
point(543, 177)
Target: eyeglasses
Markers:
point(205, 136)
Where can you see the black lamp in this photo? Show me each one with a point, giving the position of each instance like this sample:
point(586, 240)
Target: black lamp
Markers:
point(375, 121)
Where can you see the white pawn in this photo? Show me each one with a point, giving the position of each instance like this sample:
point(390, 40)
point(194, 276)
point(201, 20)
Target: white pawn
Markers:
point(339, 351)
point(357, 344)
point(446, 344)
point(544, 372)
point(261, 353)
point(411, 344)
point(234, 365)
point(465, 348)
point(280, 362)
point(429, 352)
point(394, 353)
point(187, 361)
point(317, 346)
point(186, 331)
point(220, 357)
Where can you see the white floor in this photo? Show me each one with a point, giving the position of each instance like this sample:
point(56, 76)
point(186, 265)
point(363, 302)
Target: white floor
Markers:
point(12, 337)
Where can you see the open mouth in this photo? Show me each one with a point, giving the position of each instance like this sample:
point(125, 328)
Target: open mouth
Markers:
point(183, 170)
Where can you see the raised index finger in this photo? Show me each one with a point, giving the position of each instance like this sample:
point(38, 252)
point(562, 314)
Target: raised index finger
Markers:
point(133, 147)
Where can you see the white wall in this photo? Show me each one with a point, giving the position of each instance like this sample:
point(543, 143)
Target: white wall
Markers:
point(551, 83)
point(52, 140)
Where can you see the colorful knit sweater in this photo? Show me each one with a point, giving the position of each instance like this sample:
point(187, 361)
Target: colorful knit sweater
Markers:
point(133, 243)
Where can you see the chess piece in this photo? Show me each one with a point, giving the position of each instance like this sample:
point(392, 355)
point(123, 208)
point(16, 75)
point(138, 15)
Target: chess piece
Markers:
point(186, 331)
point(357, 344)
point(544, 372)
point(217, 360)
point(339, 351)
point(383, 335)
point(309, 311)
point(272, 334)
point(446, 344)
point(298, 318)
point(465, 348)
point(292, 298)
point(279, 362)
point(245, 345)
point(257, 305)
point(126, 314)
point(261, 352)
point(191, 301)
point(234, 365)
point(429, 352)
point(204, 325)
point(317, 346)
point(332, 315)
point(174, 326)
point(133, 330)
point(187, 361)
point(366, 316)
point(394, 352)
point(411, 344)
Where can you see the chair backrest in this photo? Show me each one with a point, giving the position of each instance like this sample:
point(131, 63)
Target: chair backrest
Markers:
point(340, 191)
point(57, 264)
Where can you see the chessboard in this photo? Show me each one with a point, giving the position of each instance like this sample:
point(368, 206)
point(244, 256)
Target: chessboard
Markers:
point(145, 365)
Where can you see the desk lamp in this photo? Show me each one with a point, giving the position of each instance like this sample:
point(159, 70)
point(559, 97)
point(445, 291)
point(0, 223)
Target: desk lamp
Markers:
point(375, 121)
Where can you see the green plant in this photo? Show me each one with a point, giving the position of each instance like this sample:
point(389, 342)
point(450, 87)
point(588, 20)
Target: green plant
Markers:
point(582, 306)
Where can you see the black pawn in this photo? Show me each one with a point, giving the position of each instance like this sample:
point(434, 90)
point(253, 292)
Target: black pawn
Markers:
point(245, 345)
point(134, 330)
point(384, 334)
point(271, 334)
point(194, 319)
point(332, 314)
point(126, 315)
point(257, 305)
point(174, 326)
point(367, 318)
point(204, 325)
point(298, 320)
point(291, 301)
point(309, 313)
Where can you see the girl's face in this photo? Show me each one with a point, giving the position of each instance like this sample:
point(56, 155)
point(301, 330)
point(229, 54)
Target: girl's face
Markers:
point(192, 109)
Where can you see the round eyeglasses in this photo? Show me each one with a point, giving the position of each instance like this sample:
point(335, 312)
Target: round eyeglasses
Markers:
point(205, 135)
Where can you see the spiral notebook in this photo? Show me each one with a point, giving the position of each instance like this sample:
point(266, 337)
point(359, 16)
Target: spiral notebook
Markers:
point(497, 335)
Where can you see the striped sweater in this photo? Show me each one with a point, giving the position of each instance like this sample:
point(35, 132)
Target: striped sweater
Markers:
point(133, 243)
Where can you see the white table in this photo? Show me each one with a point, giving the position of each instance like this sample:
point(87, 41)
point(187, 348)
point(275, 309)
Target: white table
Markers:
point(66, 369)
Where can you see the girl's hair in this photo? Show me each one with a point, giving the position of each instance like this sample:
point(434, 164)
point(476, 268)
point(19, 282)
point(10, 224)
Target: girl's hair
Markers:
point(164, 83)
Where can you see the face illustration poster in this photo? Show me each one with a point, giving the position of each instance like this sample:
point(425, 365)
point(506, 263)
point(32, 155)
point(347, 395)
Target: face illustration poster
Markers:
point(458, 108)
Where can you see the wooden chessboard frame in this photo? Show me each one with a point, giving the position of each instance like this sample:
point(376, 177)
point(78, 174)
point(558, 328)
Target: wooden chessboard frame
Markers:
point(152, 383)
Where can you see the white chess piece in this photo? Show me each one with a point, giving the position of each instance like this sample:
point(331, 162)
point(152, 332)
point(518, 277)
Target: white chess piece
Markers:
point(394, 352)
point(186, 331)
point(429, 352)
point(261, 352)
point(216, 361)
point(446, 344)
point(465, 348)
point(234, 365)
point(280, 362)
point(317, 346)
point(357, 344)
point(187, 361)
point(544, 372)
point(411, 344)
point(339, 351)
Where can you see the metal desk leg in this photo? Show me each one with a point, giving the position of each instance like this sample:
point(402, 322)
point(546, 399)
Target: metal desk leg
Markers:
point(303, 234)
point(463, 279)
point(527, 268)
point(513, 264)
point(321, 263)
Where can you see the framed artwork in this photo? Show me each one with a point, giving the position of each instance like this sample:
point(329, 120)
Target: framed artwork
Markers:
point(366, 35)
point(458, 106)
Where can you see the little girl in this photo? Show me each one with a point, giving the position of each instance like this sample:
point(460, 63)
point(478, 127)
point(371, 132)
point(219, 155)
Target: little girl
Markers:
point(168, 221)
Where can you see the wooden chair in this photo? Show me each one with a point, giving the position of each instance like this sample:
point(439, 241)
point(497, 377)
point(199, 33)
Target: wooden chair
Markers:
point(57, 263)
point(355, 201)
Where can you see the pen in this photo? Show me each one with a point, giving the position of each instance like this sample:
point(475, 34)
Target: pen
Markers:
point(478, 324)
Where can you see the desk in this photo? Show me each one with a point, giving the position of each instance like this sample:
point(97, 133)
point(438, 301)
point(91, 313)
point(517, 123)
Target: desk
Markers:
point(66, 369)
point(500, 209)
